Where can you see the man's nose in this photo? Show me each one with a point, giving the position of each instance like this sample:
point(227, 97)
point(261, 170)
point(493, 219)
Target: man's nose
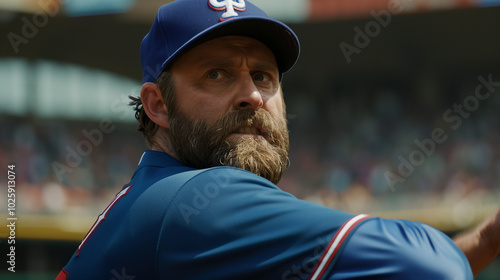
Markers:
point(248, 95)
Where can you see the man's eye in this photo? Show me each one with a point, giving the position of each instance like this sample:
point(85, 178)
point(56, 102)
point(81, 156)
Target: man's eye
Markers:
point(261, 77)
point(213, 75)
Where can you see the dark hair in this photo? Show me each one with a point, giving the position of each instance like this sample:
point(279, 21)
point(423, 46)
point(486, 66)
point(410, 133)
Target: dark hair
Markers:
point(149, 128)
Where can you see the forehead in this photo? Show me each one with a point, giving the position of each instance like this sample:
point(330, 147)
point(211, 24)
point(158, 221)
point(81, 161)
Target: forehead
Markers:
point(228, 48)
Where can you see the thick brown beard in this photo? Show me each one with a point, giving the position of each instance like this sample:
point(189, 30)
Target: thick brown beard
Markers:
point(202, 145)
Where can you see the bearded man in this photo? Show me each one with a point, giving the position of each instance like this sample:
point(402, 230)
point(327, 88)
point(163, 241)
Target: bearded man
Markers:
point(203, 202)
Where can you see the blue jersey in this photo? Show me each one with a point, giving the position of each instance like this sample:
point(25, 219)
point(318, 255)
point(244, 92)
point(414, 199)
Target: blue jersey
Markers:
point(175, 222)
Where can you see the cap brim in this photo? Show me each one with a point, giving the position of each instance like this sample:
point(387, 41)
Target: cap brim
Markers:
point(278, 37)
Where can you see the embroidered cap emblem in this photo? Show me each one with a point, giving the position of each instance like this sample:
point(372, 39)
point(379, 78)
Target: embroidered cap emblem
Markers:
point(229, 6)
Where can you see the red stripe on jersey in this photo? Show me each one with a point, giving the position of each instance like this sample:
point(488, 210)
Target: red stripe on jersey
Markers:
point(334, 246)
point(102, 217)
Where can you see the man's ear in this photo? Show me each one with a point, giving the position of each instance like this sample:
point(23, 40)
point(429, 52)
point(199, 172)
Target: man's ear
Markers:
point(154, 105)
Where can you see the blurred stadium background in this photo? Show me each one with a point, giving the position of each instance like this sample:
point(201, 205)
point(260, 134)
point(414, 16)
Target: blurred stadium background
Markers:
point(67, 67)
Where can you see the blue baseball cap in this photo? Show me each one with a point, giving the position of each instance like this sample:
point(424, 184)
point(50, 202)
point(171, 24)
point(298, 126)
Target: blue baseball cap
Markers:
point(183, 24)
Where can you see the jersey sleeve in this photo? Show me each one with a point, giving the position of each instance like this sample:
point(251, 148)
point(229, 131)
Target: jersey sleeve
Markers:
point(230, 224)
point(397, 249)
point(227, 223)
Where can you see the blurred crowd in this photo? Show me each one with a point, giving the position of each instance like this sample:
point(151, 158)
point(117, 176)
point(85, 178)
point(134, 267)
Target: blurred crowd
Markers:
point(356, 149)
point(347, 152)
point(65, 167)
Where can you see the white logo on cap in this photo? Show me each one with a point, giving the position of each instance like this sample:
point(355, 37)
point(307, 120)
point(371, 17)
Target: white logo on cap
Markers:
point(229, 6)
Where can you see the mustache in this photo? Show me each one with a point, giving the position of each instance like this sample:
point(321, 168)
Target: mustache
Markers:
point(235, 120)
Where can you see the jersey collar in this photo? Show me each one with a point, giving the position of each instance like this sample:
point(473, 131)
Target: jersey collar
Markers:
point(159, 159)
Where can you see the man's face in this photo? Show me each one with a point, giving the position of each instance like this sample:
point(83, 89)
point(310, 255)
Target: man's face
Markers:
point(229, 108)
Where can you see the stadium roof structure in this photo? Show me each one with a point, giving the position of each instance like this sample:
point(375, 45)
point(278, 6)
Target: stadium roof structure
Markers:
point(74, 60)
